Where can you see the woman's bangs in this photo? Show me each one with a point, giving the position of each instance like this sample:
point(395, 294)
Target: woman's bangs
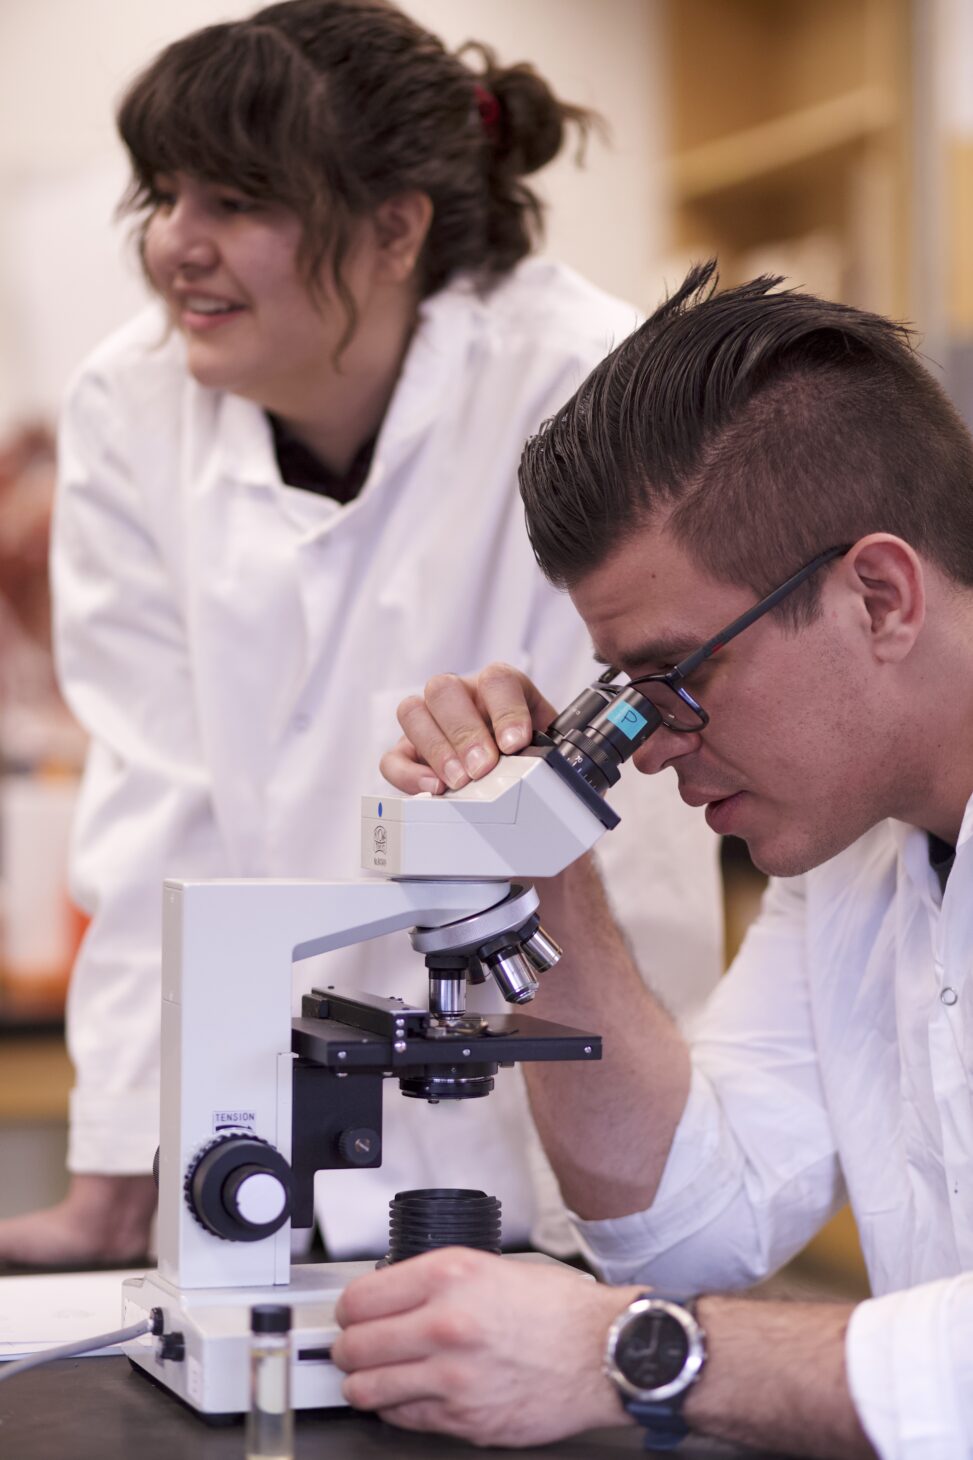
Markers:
point(226, 116)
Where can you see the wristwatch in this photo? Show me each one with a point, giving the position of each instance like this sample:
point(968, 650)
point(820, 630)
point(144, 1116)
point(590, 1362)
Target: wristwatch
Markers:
point(655, 1353)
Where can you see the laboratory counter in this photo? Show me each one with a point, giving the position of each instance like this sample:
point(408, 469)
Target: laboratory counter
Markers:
point(101, 1409)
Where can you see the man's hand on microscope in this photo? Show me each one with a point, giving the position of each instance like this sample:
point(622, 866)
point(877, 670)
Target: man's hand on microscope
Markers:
point(496, 1351)
point(455, 731)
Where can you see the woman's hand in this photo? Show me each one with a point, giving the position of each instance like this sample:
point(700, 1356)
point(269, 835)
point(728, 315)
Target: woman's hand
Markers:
point(456, 731)
point(102, 1219)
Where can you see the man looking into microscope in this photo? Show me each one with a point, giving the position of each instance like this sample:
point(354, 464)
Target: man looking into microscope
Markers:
point(743, 447)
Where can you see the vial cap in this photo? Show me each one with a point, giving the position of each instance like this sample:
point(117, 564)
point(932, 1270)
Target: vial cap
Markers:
point(270, 1318)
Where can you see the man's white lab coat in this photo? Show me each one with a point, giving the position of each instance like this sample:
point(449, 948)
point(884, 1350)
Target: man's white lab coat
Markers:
point(237, 648)
point(834, 1062)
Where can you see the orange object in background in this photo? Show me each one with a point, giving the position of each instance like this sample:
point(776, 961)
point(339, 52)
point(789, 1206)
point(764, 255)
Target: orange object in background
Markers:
point(41, 993)
point(41, 929)
point(41, 747)
point(36, 729)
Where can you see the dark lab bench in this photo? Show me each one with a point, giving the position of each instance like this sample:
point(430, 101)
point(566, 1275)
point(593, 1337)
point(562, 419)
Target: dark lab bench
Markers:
point(101, 1409)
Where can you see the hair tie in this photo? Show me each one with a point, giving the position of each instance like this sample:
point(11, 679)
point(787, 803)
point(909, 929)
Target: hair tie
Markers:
point(488, 107)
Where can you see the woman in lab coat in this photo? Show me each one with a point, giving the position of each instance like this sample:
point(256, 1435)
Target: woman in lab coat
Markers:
point(288, 495)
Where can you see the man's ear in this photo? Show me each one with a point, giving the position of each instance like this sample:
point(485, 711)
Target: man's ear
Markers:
point(887, 576)
point(401, 224)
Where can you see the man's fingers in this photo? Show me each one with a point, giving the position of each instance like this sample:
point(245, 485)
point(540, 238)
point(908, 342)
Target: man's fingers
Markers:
point(405, 1337)
point(448, 730)
point(452, 703)
point(513, 705)
point(432, 745)
point(384, 1389)
point(427, 1415)
point(455, 728)
point(379, 1294)
point(382, 1341)
point(406, 1285)
point(402, 769)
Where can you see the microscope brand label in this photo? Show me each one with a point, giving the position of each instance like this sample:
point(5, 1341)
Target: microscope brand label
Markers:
point(234, 1119)
point(627, 718)
point(381, 843)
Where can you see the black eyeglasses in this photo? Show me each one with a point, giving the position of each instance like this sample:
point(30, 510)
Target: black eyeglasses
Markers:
point(667, 692)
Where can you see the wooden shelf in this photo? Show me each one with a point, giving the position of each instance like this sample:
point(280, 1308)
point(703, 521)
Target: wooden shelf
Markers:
point(757, 153)
point(35, 1079)
point(789, 147)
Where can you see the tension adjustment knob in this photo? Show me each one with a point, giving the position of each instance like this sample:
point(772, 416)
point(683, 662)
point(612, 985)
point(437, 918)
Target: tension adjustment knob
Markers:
point(359, 1146)
point(239, 1188)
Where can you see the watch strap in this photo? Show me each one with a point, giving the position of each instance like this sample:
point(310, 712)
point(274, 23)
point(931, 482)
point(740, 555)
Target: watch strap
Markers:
point(664, 1427)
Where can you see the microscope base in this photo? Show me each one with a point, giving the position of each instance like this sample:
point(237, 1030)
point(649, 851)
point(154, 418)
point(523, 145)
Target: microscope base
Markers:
point(213, 1376)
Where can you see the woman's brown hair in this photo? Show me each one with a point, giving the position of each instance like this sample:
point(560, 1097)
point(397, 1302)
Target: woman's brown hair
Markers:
point(329, 107)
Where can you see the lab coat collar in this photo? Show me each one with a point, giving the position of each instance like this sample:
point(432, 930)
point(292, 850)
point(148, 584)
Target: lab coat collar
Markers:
point(913, 844)
point(244, 443)
point(448, 323)
point(966, 826)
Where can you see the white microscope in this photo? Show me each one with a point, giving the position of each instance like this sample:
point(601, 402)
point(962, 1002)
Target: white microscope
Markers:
point(255, 1102)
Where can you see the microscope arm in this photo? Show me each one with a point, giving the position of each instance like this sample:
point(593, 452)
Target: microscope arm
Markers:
point(228, 949)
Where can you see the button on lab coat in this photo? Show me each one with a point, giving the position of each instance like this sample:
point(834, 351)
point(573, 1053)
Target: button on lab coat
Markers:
point(237, 648)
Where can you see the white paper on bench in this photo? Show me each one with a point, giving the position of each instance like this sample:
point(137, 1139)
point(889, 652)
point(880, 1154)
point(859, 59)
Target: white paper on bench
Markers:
point(55, 1308)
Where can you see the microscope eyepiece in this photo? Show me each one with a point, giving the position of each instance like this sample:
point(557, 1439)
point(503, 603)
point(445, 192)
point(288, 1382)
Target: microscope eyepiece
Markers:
point(602, 729)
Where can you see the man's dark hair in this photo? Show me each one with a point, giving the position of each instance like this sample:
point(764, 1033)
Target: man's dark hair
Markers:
point(761, 428)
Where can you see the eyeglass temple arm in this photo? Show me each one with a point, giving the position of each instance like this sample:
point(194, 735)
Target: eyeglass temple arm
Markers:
point(707, 650)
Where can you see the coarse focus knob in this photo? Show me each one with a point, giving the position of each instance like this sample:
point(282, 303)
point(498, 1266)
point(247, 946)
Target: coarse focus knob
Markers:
point(254, 1196)
point(239, 1188)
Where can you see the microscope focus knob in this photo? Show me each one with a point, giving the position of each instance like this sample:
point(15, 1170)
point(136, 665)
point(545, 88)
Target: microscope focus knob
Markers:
point(255, 1196)
point(359, 1146)
point(239, 1188)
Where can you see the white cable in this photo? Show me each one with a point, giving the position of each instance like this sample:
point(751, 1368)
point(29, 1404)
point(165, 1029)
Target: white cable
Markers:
point(71, 1350)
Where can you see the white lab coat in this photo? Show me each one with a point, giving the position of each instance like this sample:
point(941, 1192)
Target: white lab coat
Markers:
point(834, 1062)
point(237, 648)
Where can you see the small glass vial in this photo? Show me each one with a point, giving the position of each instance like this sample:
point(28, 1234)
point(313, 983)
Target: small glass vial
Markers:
point(270, 1421)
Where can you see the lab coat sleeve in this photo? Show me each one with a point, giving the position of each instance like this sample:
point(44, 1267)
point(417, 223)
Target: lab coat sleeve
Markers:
point(144, 809)
point(753, 1172)
point(909, 1358)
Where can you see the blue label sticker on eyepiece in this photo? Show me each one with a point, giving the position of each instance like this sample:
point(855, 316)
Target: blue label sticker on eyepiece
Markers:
point(627, 718)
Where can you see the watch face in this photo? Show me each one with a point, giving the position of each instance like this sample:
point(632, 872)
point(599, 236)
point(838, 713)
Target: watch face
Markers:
point(652, 1350)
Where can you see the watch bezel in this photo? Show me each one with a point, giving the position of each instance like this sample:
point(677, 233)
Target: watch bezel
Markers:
point(692, 1365)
